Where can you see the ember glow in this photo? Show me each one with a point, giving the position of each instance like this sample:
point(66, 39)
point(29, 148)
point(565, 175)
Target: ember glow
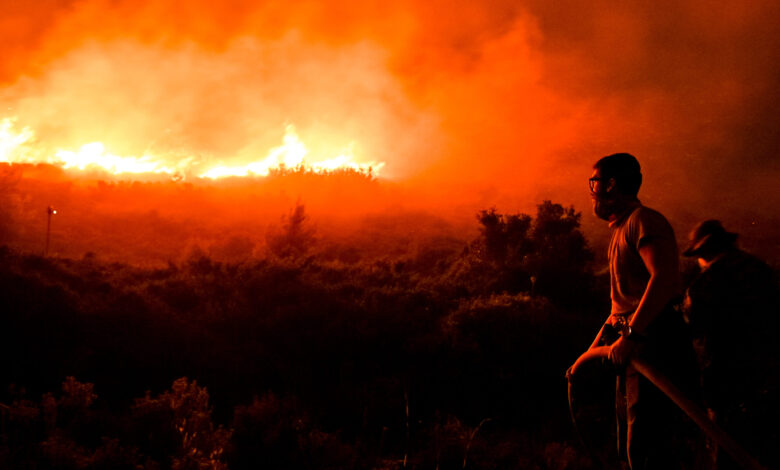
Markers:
point(94, 155)
point(292, 154)
point(19, 146)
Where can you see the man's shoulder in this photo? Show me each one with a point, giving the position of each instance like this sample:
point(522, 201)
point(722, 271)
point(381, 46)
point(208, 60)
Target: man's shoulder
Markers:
point(645, 224)
point(643, 212)
point(646, 216)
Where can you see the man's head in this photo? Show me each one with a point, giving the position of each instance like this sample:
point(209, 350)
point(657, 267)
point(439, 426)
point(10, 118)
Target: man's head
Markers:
point(615, 181)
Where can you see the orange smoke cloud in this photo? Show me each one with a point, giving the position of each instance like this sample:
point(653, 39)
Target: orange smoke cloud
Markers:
point(488, 103)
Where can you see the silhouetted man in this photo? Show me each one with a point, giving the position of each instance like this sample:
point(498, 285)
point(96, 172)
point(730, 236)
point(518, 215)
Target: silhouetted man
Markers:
point(731, 307)
point(645, 284)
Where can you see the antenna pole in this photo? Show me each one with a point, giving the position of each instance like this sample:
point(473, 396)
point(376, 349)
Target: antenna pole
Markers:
point(49, 212)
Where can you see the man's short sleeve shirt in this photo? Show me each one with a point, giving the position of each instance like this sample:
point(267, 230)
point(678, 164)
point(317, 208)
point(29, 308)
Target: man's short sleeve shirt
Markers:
point(628, 274)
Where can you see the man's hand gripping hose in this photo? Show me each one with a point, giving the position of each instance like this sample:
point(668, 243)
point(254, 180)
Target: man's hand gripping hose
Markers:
point(711, 429)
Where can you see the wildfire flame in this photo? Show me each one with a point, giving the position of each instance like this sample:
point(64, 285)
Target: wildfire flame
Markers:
point(94, 155)
point(17, 146)
point(291, 154)
point(11, 141)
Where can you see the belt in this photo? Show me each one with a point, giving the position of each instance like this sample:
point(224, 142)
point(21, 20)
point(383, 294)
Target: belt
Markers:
point(620, 321)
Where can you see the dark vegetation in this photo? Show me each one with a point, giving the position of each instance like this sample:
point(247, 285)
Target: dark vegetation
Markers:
point(151, 222)
point(311, 356)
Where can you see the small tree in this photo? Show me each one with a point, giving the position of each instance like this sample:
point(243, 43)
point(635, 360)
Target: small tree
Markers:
point(296, 236)
point(181, 426)
point(504, 238)
point(560, 261)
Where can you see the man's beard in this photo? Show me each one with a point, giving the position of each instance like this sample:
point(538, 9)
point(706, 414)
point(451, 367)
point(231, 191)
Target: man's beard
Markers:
point(603, 207)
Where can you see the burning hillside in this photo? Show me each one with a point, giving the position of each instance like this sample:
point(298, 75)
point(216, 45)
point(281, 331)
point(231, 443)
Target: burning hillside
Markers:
point(20, 146)
point(450, 108)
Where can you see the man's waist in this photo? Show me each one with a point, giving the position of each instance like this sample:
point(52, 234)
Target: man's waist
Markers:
point(620, 320)
point(667, 318)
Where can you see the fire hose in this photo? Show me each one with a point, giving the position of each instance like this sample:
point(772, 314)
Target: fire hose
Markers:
point(710, 428)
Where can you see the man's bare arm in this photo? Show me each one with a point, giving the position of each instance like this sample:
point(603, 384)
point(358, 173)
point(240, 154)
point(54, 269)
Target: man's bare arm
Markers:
point(661, 288)
point(598, 337)
point(661, 263)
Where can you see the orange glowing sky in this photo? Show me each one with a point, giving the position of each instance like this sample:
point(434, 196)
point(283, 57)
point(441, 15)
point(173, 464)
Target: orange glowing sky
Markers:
point(487, 103)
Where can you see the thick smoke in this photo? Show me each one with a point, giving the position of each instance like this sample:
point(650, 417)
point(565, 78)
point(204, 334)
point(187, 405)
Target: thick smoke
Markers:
point(230, 106)
point(469, 103)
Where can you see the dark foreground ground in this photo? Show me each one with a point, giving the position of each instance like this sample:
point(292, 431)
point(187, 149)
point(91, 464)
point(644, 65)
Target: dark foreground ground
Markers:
point(310, 356)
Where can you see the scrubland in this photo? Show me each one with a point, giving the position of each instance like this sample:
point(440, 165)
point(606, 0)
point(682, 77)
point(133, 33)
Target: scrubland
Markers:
point(314, 353)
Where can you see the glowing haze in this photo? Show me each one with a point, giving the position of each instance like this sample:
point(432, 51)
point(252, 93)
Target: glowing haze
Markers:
point(130, 107)
point(465, 104)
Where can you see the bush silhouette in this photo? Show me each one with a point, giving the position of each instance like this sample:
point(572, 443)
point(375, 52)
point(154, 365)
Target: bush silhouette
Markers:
point(295, 238)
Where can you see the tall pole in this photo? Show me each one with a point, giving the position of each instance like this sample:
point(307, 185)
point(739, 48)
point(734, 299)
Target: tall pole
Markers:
point(49, 212)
